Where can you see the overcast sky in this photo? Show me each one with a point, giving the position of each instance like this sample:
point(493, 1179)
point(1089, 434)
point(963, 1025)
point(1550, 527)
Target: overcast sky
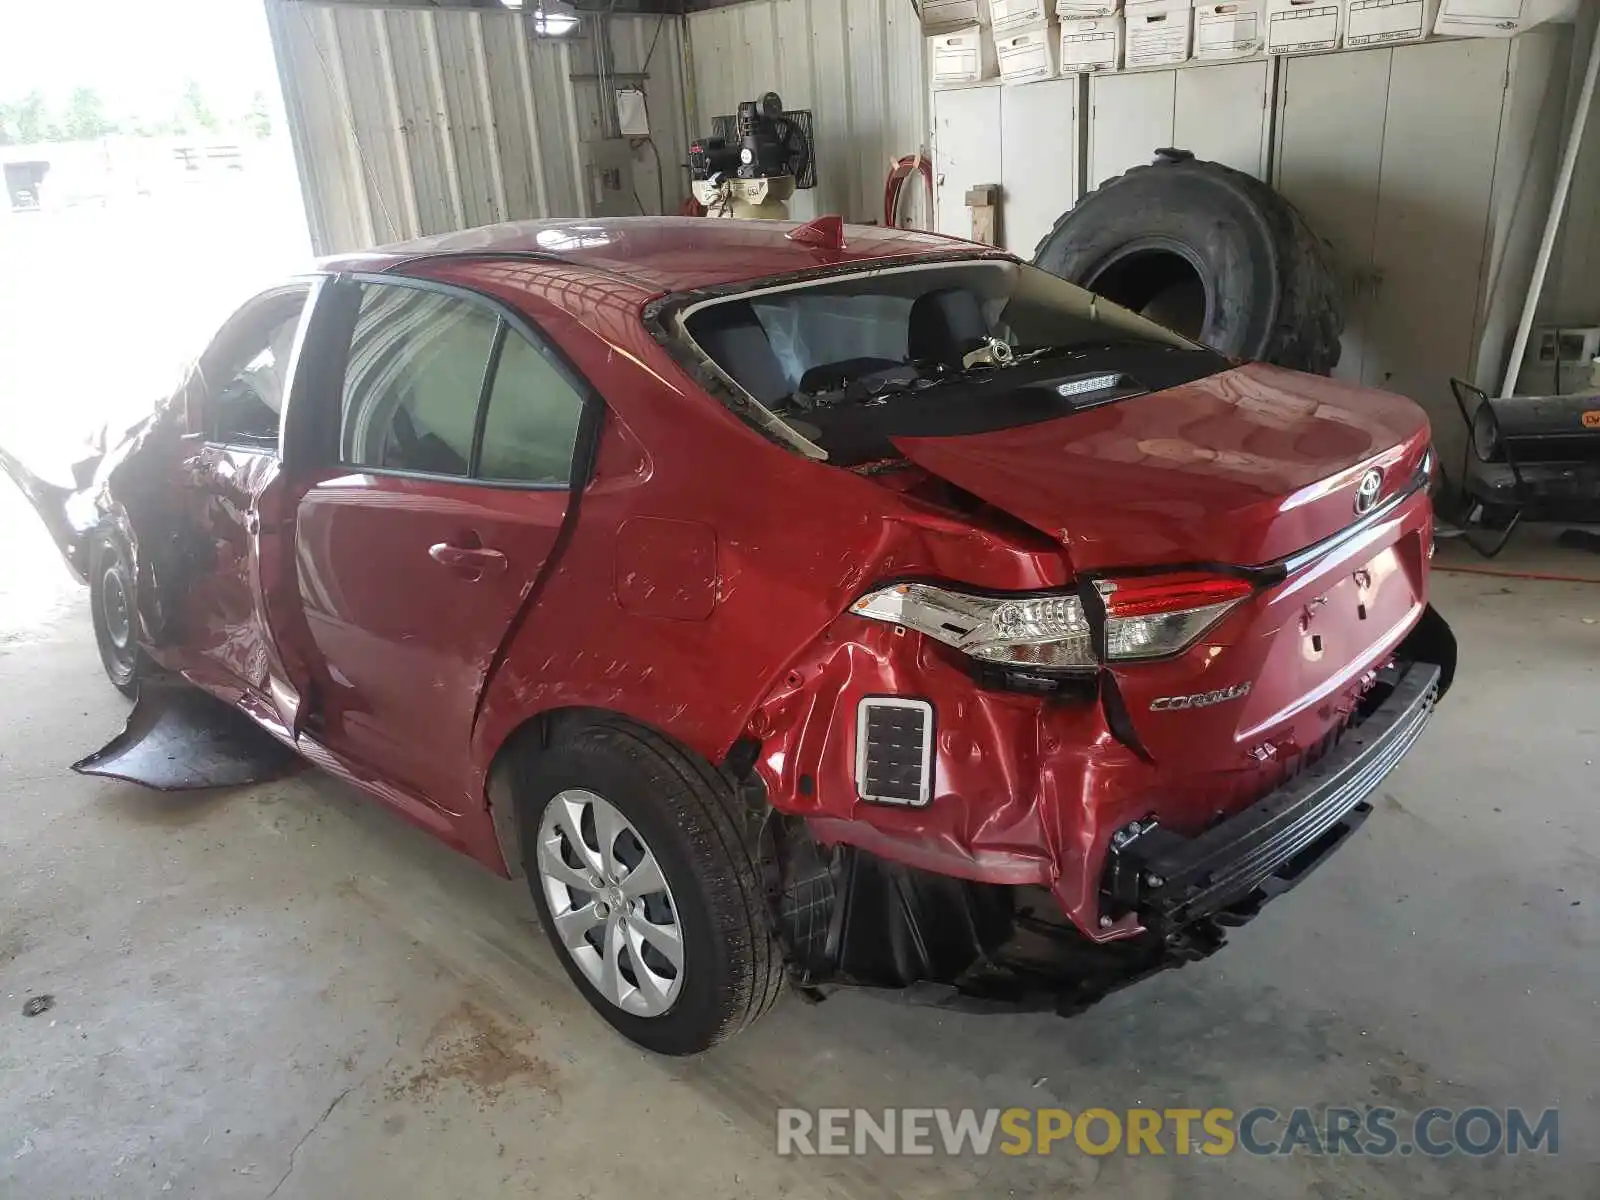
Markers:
point(138, 55)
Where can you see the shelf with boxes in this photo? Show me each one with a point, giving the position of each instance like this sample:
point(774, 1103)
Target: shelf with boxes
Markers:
point(1019, 41)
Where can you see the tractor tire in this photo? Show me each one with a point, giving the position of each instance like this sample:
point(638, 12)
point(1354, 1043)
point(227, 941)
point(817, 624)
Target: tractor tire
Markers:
point(1210, 252)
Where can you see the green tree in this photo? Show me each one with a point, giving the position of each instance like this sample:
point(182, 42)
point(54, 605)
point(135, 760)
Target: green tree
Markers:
point(85, 117)
point(257, 120)
point(195, 113)
point(25, 121)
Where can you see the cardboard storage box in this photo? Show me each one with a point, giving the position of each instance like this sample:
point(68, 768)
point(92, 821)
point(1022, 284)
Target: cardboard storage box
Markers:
point(1017, 14)
point(962, 56)
point(1300, 26)
point(1091, 45)
point(1486, 18)
point(1375, 22)
point(1028, 54)
point(951, 14)
point(1231, 30)
point(1156, 34)
point(1082, 10)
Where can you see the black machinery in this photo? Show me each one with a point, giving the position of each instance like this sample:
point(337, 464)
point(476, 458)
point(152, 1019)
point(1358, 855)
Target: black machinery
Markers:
point(1533, 457)
point(753, 161)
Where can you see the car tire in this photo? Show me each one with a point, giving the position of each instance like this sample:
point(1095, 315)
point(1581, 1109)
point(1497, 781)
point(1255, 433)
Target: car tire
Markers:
point(1209, 251)
point(686, 815)
point(114, 610)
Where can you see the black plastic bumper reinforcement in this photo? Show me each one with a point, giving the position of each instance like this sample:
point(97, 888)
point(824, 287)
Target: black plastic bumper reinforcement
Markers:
point(1229, 870)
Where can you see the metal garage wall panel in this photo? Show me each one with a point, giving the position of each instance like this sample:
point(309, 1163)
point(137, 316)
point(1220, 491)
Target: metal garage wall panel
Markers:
point(337, 209)
point(412, 121)
point(856, 64)
point(1531, 142)
point(665, 100)
point(1572, 290)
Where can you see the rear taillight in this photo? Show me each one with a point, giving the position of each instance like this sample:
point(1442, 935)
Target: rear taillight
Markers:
point(1146, 617)
point(1158, 615)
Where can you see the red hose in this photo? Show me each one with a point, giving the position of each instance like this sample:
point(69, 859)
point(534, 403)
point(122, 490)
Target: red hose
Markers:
point(1541, 576)
point(904, 167)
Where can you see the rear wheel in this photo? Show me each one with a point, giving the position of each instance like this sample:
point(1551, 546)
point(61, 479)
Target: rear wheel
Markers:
point(115, 614)
point(644, 881)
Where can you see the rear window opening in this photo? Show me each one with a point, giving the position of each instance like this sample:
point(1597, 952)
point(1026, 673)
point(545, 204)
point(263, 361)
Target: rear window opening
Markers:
point(838, 367)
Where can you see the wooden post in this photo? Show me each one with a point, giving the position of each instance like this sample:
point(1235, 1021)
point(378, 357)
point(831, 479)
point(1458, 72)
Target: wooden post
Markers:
point(984, 201)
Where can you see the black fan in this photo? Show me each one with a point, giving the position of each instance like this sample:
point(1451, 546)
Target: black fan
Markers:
point(793, 131)
point(779, 140)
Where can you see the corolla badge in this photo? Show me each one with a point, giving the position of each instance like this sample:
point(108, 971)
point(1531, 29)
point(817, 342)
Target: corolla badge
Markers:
point(1367, 491)
point(1201, 699)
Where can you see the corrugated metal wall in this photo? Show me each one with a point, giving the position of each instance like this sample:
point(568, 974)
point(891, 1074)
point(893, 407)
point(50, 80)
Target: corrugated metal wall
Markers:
point(410, 121)
point(857, 64)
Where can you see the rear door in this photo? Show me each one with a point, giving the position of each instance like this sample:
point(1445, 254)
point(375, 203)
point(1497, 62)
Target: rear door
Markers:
point(448, 480)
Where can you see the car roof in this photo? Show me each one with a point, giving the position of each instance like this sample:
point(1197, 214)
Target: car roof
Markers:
point(663, 254)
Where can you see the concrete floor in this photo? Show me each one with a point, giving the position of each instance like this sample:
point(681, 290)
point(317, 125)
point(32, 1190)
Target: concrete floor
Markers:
point(284, 990)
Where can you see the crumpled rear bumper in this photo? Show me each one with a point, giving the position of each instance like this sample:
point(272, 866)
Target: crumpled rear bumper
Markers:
point(847, 915)
point(1228, 871)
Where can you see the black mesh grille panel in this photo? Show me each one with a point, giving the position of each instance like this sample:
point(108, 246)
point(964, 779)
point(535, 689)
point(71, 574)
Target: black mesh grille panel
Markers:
point(892, 761)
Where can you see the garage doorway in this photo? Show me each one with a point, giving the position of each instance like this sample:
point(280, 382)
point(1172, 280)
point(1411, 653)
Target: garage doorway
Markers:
point(149, 187)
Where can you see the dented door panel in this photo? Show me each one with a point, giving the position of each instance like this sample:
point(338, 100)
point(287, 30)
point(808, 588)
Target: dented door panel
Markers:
point(403, 635)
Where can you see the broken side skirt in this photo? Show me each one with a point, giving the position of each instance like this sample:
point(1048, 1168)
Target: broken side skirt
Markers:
point(179, 737)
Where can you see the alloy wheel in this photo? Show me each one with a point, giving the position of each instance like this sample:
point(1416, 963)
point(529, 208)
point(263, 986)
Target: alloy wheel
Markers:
point(611, 905)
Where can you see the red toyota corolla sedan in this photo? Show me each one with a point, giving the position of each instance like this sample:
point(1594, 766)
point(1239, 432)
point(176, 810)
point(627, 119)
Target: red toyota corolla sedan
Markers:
point(843, 605)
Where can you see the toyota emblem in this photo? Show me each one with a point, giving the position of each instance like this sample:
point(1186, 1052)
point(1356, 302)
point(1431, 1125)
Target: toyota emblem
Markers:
point(1367, 491)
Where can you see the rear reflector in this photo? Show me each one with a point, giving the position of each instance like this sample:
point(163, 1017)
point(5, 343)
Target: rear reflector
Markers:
point(894, 750)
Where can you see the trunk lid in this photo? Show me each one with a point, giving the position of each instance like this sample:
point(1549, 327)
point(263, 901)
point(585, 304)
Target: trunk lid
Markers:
point(1242, 467)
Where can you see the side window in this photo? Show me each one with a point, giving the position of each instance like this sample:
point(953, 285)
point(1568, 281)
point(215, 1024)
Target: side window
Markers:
point(247, 407)
point(532, 426)
point(414, 379)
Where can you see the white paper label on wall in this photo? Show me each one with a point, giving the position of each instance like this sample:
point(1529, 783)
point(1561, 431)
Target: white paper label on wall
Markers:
point(633, 115)
point(1372, 22)
point(1300, 27)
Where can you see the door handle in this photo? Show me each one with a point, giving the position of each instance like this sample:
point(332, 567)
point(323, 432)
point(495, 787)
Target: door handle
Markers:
point(471, 561)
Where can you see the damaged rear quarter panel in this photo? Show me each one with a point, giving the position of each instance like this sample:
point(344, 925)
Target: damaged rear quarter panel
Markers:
point(1026, 787)
point(794, 542)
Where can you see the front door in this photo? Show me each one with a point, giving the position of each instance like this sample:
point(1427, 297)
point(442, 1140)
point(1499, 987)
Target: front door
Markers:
point(417, 550)
point(235, 495)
